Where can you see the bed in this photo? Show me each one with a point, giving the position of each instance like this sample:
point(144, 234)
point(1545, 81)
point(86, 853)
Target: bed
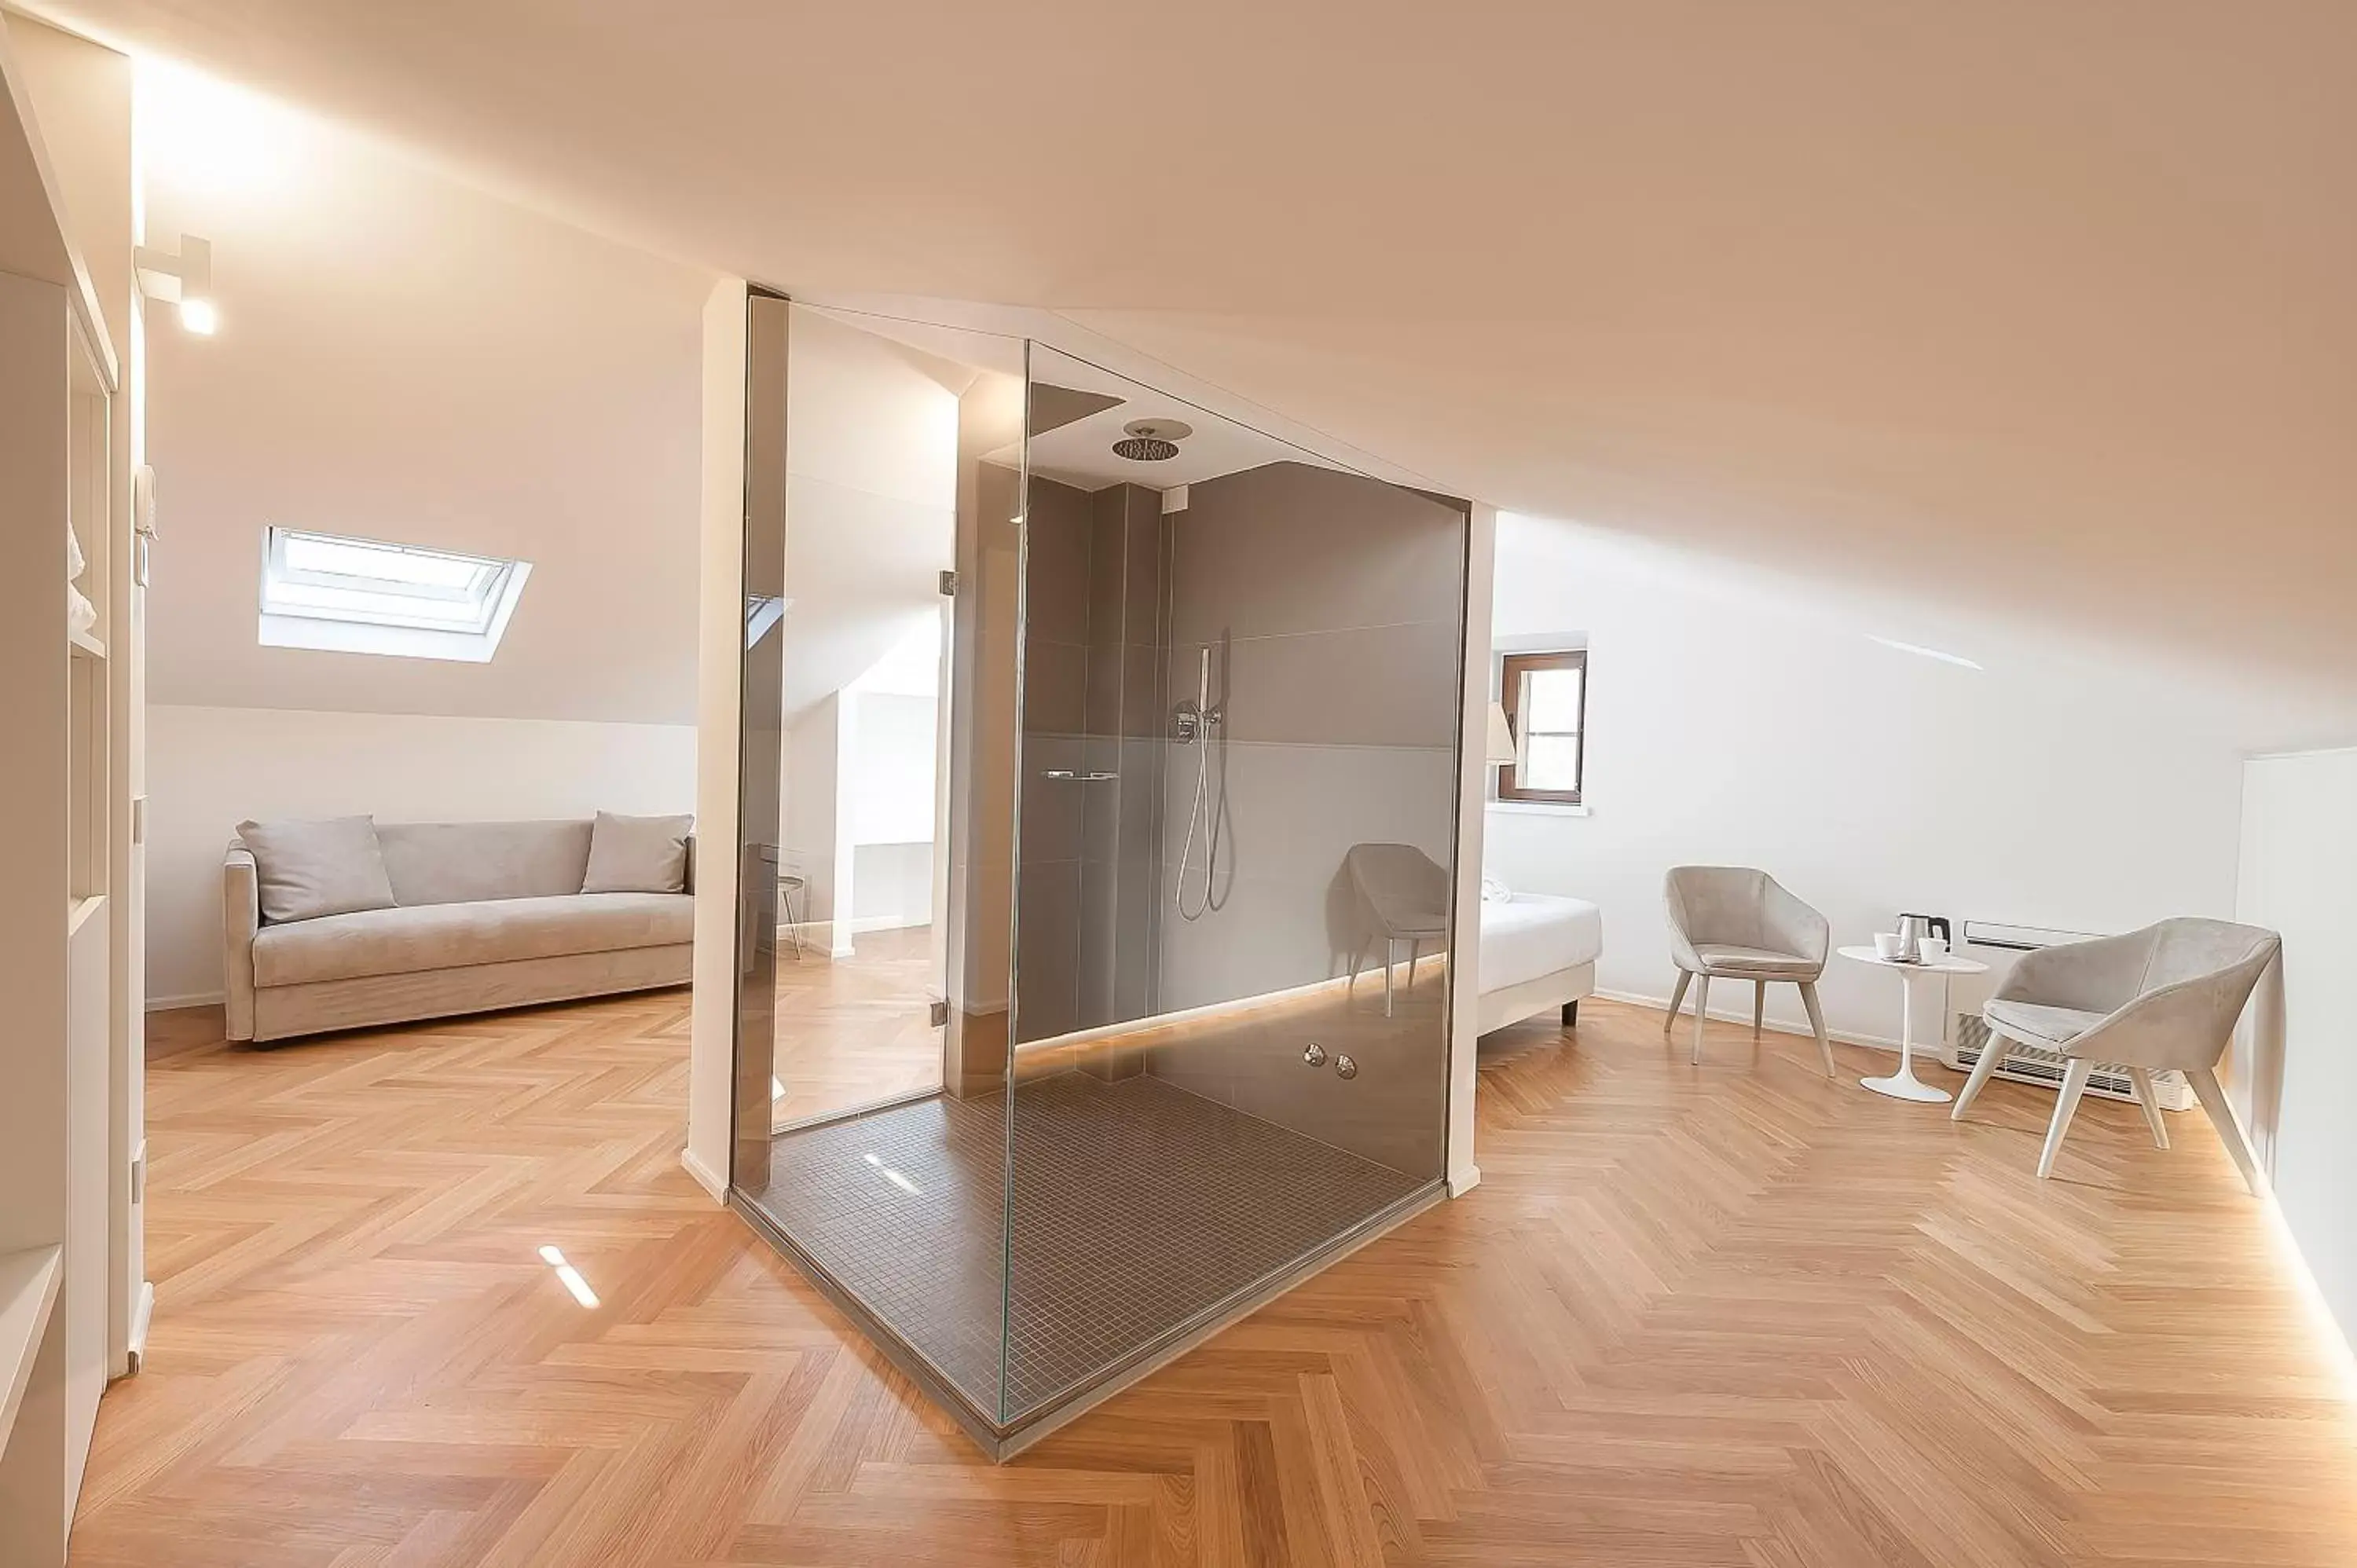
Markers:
point(1538, 950)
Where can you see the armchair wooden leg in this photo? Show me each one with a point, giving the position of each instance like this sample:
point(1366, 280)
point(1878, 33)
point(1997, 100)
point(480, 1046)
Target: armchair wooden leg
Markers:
point(2142, 1079)
point(1391, 958)
point(1992, 1058)
point(2230, 1131)
point(1758, 1007)
point(1677, 998)
point(1702, 1011)
point(1818, 1026)
point(2066, 1104)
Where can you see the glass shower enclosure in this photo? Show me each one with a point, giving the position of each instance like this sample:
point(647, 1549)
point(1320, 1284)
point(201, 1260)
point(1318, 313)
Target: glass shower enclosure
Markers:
point(1198, 800)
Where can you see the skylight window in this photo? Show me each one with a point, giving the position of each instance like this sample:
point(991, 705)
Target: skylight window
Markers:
point(360, 596)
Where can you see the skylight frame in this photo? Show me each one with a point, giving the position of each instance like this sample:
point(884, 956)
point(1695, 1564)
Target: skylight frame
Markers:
point(319, 591)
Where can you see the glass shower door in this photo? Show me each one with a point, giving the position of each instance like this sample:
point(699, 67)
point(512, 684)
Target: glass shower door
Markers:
point(1240, 681)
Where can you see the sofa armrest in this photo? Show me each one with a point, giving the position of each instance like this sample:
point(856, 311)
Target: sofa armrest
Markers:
point(240, 919)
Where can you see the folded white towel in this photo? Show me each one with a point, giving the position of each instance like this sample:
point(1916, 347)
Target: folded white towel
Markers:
point(1496, 892)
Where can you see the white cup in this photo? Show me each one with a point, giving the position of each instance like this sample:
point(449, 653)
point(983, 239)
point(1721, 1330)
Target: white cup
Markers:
point(1931, 950)
point(1885, 944)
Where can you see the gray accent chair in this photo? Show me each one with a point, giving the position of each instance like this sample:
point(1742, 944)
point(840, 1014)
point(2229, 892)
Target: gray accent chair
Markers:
point(1731, 922)
point(2164, 999)
point(1404, 895)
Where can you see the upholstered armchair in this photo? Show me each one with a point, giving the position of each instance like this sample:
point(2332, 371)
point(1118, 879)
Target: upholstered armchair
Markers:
point(1730, 922)
point(1404, 895)
point(2159, 1000)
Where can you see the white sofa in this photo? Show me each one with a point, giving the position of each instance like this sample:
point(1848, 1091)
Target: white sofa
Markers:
point(490, 915)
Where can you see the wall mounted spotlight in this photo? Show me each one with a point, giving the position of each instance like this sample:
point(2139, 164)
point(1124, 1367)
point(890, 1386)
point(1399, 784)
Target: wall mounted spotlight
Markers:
point(185, 280)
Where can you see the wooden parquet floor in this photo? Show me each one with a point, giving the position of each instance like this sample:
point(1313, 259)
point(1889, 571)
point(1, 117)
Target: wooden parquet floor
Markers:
point(854, 1031)
point(1735, 1316)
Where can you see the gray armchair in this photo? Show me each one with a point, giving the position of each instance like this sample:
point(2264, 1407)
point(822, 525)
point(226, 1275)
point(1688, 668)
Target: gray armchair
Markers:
point(1404, 894)
point(1730, 922)
point(2159, 1000)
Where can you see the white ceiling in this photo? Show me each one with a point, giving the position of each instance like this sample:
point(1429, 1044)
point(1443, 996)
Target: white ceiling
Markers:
point(2039, 306)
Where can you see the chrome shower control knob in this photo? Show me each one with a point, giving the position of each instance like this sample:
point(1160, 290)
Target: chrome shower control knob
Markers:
point(1346, 1066)
point(1314, 1054)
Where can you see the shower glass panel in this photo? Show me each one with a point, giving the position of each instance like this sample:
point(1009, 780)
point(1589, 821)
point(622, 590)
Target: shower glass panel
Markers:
point(1167, 1028)
point(884, 475)
point(1241, 669)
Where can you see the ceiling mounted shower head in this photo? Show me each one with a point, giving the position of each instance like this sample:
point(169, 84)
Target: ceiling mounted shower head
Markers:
point(1152, 440)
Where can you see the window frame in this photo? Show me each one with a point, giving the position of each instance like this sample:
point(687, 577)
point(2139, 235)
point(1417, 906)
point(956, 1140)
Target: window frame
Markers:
point(1512, 667)
point(321, 608)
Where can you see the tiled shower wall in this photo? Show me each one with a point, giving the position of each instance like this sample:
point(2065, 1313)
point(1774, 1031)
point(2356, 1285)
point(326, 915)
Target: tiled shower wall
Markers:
point(1084, 936)
point(1333, 607)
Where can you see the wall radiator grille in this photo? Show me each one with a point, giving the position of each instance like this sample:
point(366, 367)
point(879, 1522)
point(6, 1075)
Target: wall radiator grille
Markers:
point(2028, 1064)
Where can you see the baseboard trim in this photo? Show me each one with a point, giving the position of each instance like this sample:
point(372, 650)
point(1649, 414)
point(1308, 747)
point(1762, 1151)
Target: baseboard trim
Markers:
point(706, 1177)
point(172, 1004)
point(143, 1313)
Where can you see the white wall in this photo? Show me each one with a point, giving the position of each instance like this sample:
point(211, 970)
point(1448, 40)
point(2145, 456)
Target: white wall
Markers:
point(403, 357)
point(1747, 720)
point(209, 769)
point(892, 769)
point(2298, 1090)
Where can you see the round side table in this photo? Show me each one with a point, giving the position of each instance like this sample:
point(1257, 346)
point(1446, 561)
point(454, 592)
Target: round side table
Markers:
point(1903, 1084)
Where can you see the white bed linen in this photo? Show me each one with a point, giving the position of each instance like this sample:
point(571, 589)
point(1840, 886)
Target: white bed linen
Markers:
point(1533, 934)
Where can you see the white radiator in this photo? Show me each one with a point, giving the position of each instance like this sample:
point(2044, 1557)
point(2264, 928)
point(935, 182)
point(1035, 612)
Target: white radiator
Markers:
point(1997, 946)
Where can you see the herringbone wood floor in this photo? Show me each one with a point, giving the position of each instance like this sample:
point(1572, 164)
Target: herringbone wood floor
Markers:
point(1730, 1316)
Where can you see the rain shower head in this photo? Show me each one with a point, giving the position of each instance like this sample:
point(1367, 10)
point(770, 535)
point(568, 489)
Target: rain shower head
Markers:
point(1151, 440)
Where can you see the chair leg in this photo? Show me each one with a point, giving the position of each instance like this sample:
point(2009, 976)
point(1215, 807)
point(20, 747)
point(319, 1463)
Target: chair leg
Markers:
point(1677, 999)
point(1358, 962)
point(1818, 1026)
point(2230, 1131)
point(1758, 1007)
point(2066, 1104)
point(2142, 1079)
point(1702, 1010)
point(1993, 1057)
point(1414, 948)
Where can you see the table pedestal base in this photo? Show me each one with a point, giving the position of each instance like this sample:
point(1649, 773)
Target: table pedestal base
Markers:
point(1904, 1085)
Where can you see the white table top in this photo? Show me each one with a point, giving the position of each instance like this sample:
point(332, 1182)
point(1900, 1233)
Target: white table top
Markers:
point(1950, 964)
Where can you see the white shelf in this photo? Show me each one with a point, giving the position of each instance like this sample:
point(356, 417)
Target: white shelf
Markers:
point(80, 910)
point(87, 646)
point(28, 1293)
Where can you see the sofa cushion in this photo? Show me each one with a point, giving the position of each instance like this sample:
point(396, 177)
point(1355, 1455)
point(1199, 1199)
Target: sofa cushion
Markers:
point(307, 869)
point(465, 863)
point(637, 854)
point(452, 936)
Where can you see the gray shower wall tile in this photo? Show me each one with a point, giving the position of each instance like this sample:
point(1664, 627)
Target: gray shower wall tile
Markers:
point(1394, 685)
point(1142, 549)
point(1047, 950)
point(1055, 687)
point(1057, 531)
point(1289, 548)
point(1107, 665)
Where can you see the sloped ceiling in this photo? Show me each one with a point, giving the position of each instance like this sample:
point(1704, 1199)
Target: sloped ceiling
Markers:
point(2040, 306)
point(404, 358)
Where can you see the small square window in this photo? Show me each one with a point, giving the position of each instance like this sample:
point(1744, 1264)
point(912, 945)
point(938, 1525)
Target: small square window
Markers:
point(1545, 699)
point(363, 595)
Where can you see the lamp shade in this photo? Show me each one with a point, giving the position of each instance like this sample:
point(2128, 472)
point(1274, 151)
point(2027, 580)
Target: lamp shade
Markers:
point(1501, 737)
